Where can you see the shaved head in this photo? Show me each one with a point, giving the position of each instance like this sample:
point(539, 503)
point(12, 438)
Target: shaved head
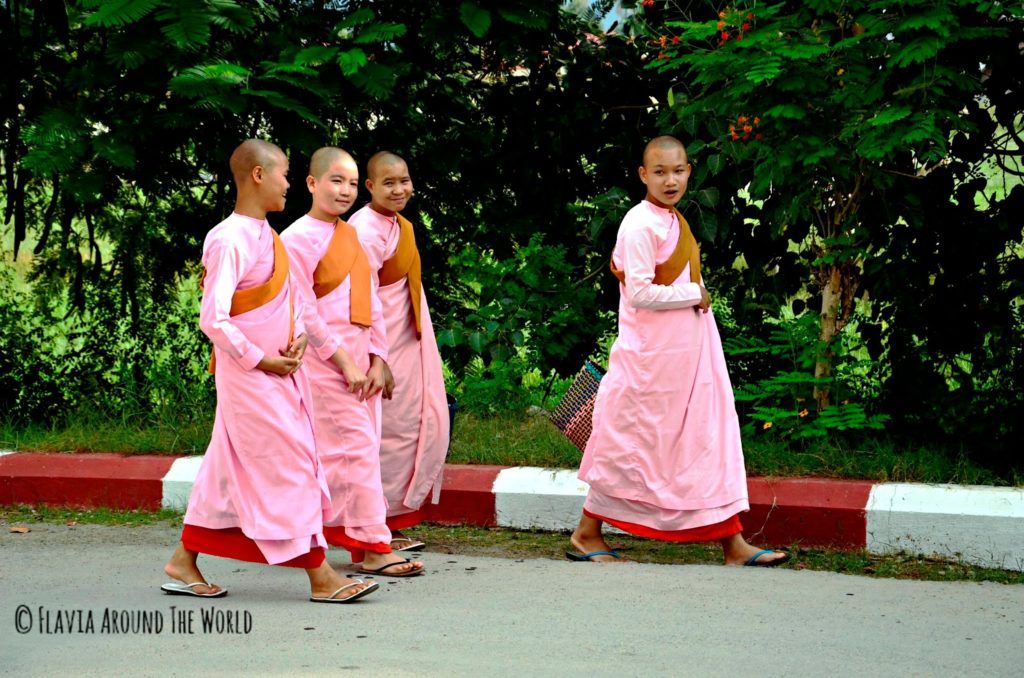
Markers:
point(324, 157)
point(663, 143)
point(252, 153)
point(380, 161)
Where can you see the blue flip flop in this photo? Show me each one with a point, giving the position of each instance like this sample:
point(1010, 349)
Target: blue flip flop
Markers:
point(752, 561)
point(589, 557)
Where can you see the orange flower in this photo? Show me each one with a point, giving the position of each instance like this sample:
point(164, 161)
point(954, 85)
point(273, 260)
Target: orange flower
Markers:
point(724, 36)
point(721, 15)
point(757, 121)
point(742, 119)
point(748, 129)
point(662, 40)
point(721, 25)
point(767, 425)
point(803, 413)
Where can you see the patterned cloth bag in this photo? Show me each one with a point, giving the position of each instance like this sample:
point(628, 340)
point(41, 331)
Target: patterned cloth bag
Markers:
point(575, 414)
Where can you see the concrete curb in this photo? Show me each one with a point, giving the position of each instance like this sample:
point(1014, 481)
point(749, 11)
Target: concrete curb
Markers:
point(980, 525)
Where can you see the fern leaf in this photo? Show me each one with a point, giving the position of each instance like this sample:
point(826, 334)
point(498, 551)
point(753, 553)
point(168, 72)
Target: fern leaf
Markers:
point(114, 13)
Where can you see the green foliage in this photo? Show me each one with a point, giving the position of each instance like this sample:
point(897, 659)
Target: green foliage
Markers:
point(512, 318)
point(891, 162)
point(116, 186)
point(776, 387)
point(58, 363)
point(476, 18)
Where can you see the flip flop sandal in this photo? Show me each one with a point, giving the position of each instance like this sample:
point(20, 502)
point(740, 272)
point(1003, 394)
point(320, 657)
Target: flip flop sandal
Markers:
point(175, 588)
point(355, 596)
point(589, 557)
point(413, 544)
point(382, 571)
point(753, 562)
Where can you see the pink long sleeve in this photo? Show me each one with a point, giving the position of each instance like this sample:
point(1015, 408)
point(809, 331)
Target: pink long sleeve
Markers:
point(378, 328)
point(639, 249)
point(225, 267)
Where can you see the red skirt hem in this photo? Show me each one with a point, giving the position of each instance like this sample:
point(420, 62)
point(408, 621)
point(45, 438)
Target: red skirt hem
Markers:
point(404, 520)
point(336, 536)
point(713, 532)
point(232, 543)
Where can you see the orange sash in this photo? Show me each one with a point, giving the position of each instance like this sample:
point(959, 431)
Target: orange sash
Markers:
point(345, 258)
point(687, 251)
point(252, 298)
point(405, 263)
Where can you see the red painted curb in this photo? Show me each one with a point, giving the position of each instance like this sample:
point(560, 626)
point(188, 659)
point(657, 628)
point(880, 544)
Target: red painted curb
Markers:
point(809, 511)
point(86, 480)
point(467, 496)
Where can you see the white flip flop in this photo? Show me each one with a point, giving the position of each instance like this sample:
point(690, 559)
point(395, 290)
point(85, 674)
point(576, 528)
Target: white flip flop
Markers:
point(177, 588)
point(355, 596)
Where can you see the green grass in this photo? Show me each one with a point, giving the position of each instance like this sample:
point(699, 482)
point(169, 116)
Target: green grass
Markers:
point(879, 459)
point(510, 440)
point(125, 436)
point(21, 513)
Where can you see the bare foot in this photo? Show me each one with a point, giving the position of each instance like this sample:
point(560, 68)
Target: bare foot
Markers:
point(400, 542)
point(737, 552)
point(324, 582)
point(393, 564)
point(587, 538)
point(182, 566)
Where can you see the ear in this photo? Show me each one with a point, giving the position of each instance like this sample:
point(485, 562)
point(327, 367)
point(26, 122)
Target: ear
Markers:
point(643, 174)
point(369, 185)
point(310, 183)
point(257, 174)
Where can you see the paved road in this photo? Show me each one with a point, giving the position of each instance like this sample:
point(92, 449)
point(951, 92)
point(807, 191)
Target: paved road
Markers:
point(487, 616)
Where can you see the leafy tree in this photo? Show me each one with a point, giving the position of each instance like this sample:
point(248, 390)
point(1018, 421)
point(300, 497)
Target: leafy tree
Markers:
point(119, 116)
point(826, 106)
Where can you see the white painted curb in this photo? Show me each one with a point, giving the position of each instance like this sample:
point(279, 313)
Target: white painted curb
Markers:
point(178, 483)
point(526, 497)
point(978, 525)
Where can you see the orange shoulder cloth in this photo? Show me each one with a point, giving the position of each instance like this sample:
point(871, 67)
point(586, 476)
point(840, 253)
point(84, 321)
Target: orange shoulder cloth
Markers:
point(345, 258)
point(405, 263)
point(686, 252)
point(243, 301)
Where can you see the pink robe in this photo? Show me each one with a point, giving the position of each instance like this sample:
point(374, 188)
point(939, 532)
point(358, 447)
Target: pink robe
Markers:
point(665, 452)
point(415, 427)
point(260, 472)
point(347, 430)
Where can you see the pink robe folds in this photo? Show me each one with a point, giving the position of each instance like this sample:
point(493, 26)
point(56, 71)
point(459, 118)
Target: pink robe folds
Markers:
point(415, 426)
point(260, 481)
point(347, 430)
point(665, 458)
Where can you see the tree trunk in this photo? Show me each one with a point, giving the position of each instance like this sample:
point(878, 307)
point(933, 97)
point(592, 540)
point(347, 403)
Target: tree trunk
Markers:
point(831, 296)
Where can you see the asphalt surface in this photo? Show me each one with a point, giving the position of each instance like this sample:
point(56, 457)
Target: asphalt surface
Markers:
point(71, 595)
